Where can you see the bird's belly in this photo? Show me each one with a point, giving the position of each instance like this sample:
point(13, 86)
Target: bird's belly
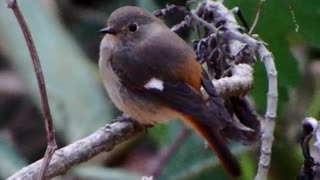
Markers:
point(136, 106)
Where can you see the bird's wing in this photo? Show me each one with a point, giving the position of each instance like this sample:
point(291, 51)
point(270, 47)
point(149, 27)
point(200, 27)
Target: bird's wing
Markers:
point(163, 56)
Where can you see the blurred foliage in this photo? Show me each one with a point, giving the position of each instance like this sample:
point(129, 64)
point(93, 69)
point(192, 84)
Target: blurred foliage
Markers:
point(11, 160)
point(65, 34)
point(100, 173)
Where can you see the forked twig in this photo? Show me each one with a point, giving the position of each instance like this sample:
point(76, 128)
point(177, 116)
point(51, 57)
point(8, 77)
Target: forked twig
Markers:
point(52, 146)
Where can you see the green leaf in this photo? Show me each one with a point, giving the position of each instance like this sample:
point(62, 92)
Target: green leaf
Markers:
point(194, 161)
point(159, 134)
point(248, 166)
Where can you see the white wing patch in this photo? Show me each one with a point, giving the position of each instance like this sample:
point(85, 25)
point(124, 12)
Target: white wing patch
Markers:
point(154, 83)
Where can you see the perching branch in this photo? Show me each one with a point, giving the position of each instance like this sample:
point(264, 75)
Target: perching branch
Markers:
point(103, 140)
point(52, 146)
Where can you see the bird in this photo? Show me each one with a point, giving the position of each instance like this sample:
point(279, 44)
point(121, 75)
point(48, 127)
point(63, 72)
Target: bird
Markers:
point(152, 76)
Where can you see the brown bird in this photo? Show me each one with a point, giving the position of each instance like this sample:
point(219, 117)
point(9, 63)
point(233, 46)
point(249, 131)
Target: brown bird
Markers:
point(151, 75)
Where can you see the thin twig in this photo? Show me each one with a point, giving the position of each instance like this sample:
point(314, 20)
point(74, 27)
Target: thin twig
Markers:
point(52, 146)
point(256, 19)
point(211, 28)
point(165, 155)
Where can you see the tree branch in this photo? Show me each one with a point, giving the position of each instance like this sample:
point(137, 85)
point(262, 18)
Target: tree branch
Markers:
point(103, 140)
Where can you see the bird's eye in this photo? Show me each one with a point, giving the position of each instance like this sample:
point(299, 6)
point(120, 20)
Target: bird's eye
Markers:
point(133, 27)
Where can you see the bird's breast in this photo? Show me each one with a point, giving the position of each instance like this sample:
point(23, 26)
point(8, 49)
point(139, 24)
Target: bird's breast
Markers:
point(138, 106)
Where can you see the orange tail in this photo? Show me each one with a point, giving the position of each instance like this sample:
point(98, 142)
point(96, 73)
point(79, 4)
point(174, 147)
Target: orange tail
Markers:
point(217, 144)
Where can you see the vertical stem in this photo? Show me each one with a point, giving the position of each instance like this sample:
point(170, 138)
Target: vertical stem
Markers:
point(52, 146)
point(269, 121)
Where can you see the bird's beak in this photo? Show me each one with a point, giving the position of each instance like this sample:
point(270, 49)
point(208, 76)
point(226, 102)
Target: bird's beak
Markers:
point(107, 30)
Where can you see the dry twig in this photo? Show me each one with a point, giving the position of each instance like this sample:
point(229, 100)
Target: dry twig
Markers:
point(256, 19)
point(52, 146)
